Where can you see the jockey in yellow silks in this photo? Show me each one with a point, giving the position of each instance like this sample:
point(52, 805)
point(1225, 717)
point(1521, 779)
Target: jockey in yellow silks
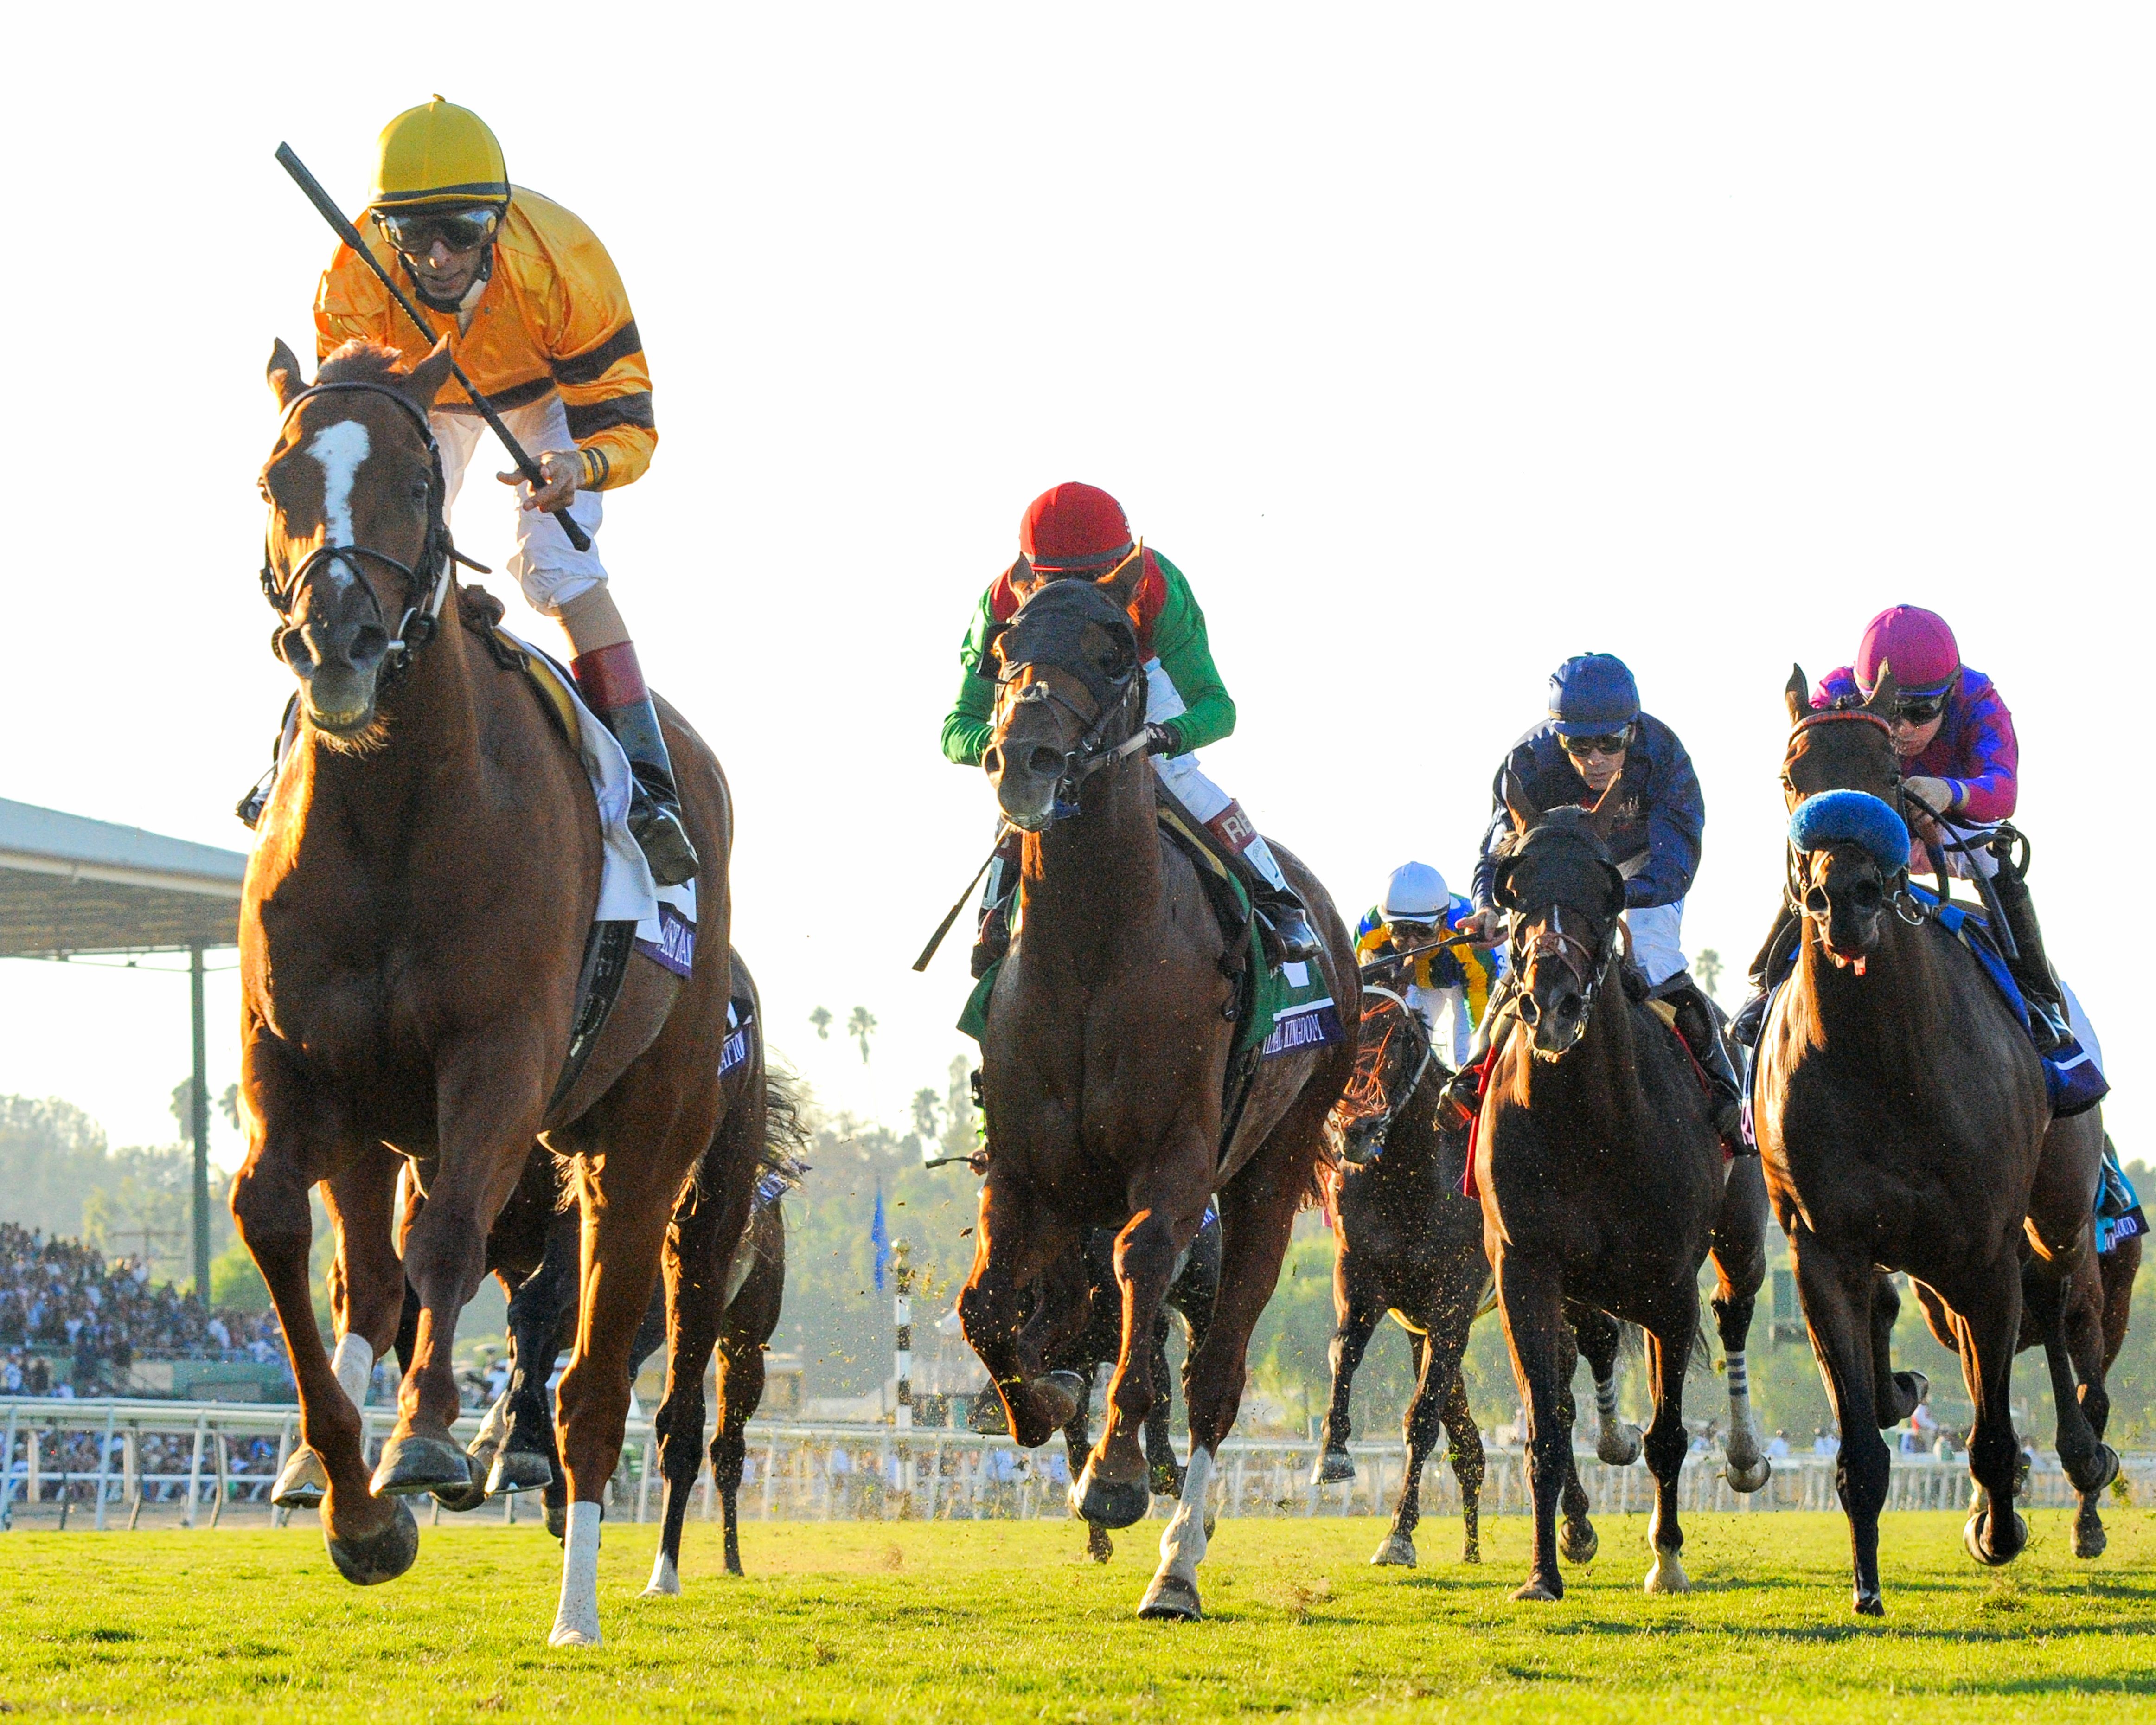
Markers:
point(1449, 988)
point(536, 314)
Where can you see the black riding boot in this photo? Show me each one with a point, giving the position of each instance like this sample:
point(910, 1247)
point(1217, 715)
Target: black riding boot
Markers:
point(655, 808)
point(1768, 966)
point(1701, 1030)
point(992, 937)
point(2031, 969)
point(1458, 1101)
point(1282, 909)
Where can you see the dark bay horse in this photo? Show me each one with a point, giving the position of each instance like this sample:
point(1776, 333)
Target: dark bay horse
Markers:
point(413, 928)
point(1408, 1242)
point(1104, 1065)
point(1604, 1182)
point(1903, 1119)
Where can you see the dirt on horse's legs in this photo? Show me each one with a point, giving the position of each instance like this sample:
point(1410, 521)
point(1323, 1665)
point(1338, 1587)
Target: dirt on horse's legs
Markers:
point(1989, 1327)
point(1527, 1295)
point(1116, 1486)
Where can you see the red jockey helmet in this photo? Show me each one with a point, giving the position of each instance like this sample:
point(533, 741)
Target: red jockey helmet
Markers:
point(1072, 529)
point(1914, 644)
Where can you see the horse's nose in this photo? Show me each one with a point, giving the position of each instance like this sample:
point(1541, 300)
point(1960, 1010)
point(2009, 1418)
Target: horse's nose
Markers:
point(1043, 760)
point(320, 644)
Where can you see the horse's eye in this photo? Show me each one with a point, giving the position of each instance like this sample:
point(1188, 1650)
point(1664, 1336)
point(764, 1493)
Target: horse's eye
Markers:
point(419, 490)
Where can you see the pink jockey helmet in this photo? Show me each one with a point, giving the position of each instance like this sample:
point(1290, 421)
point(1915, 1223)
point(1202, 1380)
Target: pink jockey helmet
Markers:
point(1914, 644)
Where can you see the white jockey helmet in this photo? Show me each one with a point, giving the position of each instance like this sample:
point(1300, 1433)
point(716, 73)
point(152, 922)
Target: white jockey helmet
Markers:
point(1416, 893)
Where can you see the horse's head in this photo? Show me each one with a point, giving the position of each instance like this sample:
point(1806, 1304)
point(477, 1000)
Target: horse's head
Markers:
point(1565, 897)
point(1849, 849)
point(1069, 688)
point(1392, 1060)
point(356, 537)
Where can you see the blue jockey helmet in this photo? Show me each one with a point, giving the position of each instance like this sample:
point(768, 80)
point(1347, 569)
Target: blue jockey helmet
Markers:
point(1591, 694)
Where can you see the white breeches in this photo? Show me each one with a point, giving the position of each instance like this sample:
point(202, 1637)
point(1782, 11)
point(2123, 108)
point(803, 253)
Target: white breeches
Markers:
point(1182, 775)
point(551, 570)
point(1444, 1015)
point(1657, 941)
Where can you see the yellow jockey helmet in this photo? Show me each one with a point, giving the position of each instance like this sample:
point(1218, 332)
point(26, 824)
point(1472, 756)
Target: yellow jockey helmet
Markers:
point(438, 154)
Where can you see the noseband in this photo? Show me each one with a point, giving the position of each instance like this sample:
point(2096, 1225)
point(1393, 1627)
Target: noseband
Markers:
point(1897, 883)
point(1588, 961)
point(427, 585)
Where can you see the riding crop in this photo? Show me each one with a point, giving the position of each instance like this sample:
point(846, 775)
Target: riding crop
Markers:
point(951, 916)
point(350, 235)
point(1378, 965)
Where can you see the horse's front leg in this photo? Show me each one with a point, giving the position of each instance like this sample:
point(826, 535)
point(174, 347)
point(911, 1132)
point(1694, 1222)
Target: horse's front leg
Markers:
point(1988, 1317)
point(1616, 1439)
point(694, 1319)
point(1738, 1246)
point(1529, 1298)
point(1355, 1318)
point(1014, 1241)
point(1836, 1299)
point(293, 1144)
point(487, 1109)
point(1115, 1488)
point(1465, 1441)
point(1669, 1349)
point(366, 1276)
point(1424, 1415)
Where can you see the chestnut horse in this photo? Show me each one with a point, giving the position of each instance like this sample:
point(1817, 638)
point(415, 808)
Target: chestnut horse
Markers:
point(1104, 1064)
point(413, 924)
point(1408, 1243)
point(1902, 1115)
point(1604, 1182)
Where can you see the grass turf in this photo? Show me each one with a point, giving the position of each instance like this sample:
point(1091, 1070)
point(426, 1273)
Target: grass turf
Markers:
point(1003, 1621)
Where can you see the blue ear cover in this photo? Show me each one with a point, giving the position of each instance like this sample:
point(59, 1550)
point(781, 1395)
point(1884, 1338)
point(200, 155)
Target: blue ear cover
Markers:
point(1852, 817)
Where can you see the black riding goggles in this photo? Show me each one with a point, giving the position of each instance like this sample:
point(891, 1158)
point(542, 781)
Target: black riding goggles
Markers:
point(1920, 709)
point(1583, 746)
point(413, 232)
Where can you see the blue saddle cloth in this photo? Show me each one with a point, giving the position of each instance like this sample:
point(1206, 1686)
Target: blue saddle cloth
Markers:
point(2070, 1073)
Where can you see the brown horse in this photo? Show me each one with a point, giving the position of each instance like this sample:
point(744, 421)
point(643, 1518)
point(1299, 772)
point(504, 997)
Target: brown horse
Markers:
point(1104, 1066)
point(1408, 1243)
point(1604, 1182)
point(1903, 1119)
point(413, 924)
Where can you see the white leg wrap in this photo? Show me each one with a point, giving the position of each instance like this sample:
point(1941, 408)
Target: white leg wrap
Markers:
point(576, 1620)
point(1740, 1404)
point(1605, 1400)
point(665, 1582)
point(353, 1362)
point(1183, 1540)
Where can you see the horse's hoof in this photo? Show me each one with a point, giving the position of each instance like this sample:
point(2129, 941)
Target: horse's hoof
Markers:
point(304, 1483)
point(985, 1417)
point(379, 1556)
point(1167, 1480)
point(1172, 1598)
point(1912, 1389)
point(665, 1582)
point(1335, 1468)
point(1098, 1545)
point(1618, 1445)
point(568, 1635)
point(557, 1521)
point(413, 1464)
point(1547, 1590)
point(1397, 1551)
point(2099, 1472)
point(1748, 1479)
point(518, 1470)
point(1064, 1392)
point(1869, 1605)
point(1667, 1575)
point(1106, 1504)
point(1990, 1555)
point(2089, 1539)
point(1577, 1542)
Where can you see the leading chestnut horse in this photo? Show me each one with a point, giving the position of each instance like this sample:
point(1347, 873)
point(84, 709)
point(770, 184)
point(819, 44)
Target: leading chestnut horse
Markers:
point(1903, 1120)
point(1103, 1065)
point(412, 931)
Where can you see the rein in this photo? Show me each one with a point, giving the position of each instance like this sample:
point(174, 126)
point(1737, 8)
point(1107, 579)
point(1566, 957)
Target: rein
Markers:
point(1411, 1023)
point(1555, 941)
point(427, 585)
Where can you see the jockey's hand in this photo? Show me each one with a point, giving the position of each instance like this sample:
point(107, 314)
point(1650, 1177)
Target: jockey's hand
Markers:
point(1484, 928)
point(564, 470)
point(1936, 794)
point(1161, 740)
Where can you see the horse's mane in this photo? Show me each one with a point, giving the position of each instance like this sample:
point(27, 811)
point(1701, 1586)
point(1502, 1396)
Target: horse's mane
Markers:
point(359, 361)
point(1570, 818)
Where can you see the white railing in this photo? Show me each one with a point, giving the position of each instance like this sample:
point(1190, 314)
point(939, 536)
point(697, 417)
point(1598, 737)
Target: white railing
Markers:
point(91, 1458)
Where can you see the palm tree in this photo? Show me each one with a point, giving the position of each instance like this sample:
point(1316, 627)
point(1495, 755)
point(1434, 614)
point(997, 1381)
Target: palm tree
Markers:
point(821, 1018)
point(1706, 966)
point(861, 1026)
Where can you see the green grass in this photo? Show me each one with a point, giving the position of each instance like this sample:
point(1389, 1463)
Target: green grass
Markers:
point(1005, 1620)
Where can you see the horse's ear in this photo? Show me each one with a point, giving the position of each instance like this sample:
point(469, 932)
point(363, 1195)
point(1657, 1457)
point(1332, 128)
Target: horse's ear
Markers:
point(1884, 693)
point(1518, 802)
point(1602, 818)
point(428, 377)
point(1799, 694)
point(1614, 906)
point(1501, 885)
point(1120, 583)
point(285, 379)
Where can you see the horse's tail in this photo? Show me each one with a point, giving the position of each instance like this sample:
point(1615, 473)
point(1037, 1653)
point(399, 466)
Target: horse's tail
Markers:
point(785, 1135)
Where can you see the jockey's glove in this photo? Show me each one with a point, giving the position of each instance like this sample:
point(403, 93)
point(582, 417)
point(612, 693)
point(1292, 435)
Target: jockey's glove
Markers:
point(1163, 740)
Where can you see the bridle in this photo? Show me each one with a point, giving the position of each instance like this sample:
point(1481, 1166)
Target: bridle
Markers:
point(1897, 885)
point(426, 585)
point(1373, 1128)
point(1112, 692)
point(1589, 960)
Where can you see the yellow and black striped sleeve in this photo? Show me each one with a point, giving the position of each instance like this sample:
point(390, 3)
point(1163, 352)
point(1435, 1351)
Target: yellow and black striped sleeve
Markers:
point(597, 359)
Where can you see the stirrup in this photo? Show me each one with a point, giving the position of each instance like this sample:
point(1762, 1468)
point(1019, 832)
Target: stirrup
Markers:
point(658, 831)
point(2047, 1024)
point(1298, 942)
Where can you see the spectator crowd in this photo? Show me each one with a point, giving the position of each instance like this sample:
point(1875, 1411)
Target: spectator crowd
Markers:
point(60, 1294)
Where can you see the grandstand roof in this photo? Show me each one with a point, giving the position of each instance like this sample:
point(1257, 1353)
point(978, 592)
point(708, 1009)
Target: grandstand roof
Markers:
point(70, 885)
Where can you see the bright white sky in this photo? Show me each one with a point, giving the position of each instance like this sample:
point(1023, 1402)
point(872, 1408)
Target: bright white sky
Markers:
point(1436, 343)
